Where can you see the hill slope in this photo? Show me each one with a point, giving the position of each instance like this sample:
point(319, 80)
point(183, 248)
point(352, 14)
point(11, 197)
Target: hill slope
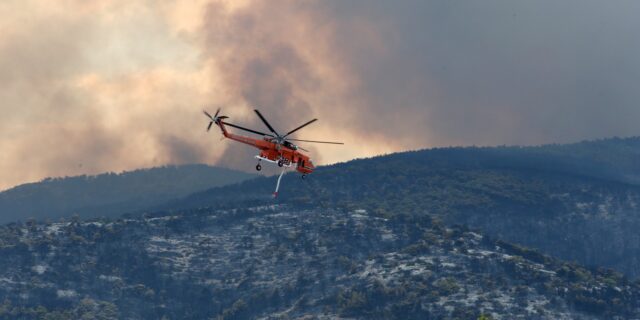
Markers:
point(281, 262)
point(577, 202)
point(110, 194)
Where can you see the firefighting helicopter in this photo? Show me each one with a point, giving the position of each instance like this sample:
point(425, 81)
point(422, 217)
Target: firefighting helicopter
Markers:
point(274, 147)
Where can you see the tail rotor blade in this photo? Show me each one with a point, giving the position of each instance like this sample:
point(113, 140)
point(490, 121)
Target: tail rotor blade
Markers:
point(217, 111)
point(209, 126)
point(207, 114)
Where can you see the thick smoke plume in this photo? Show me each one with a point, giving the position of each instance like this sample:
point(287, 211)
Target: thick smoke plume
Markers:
point(87, 87)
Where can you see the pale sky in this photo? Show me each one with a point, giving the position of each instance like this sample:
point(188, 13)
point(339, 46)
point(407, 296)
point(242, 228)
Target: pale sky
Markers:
point(94, 86)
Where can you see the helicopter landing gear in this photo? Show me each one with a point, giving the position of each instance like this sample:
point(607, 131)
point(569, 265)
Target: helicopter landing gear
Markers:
point(304, 176)
point(258, 167)
point(280, 163)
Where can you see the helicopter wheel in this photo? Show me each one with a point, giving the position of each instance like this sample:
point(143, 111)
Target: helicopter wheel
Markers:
point(280, 163)
point(304, 176)
point(258, 167)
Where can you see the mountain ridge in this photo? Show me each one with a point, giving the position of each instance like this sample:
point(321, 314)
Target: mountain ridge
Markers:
point(110, 194)
point(455, 233)
point(576, 195)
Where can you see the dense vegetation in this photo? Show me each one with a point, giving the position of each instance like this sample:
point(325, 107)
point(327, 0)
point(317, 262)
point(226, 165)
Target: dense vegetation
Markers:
point(577, 202)
point(282, 262)
point(110, 194)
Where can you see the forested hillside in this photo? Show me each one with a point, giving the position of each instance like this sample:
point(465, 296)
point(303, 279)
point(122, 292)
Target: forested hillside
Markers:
point(110, 194)
point(282, 262)
point(432, 234)
point(577, 202)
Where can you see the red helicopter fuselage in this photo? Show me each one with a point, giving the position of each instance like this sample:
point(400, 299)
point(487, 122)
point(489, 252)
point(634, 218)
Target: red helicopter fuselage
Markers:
point(273, 152)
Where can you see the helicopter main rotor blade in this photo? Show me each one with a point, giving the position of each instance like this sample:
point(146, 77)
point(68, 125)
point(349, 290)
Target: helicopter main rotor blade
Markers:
point(246, 129)
point(300, 127)
point(313, 141)
point(210, 117)
point(266, 122)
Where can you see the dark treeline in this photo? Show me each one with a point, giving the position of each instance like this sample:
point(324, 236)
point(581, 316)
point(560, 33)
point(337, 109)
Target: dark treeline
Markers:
point(110, 194)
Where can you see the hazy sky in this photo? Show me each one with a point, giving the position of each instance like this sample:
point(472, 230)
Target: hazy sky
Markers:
point(111, 85)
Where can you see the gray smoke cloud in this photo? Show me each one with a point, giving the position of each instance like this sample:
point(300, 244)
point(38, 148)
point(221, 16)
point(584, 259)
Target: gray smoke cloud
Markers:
point(435, 73)
point(87, 88)
point(495, 72)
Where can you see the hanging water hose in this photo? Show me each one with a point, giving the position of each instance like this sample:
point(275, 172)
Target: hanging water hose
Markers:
point(275, 194)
